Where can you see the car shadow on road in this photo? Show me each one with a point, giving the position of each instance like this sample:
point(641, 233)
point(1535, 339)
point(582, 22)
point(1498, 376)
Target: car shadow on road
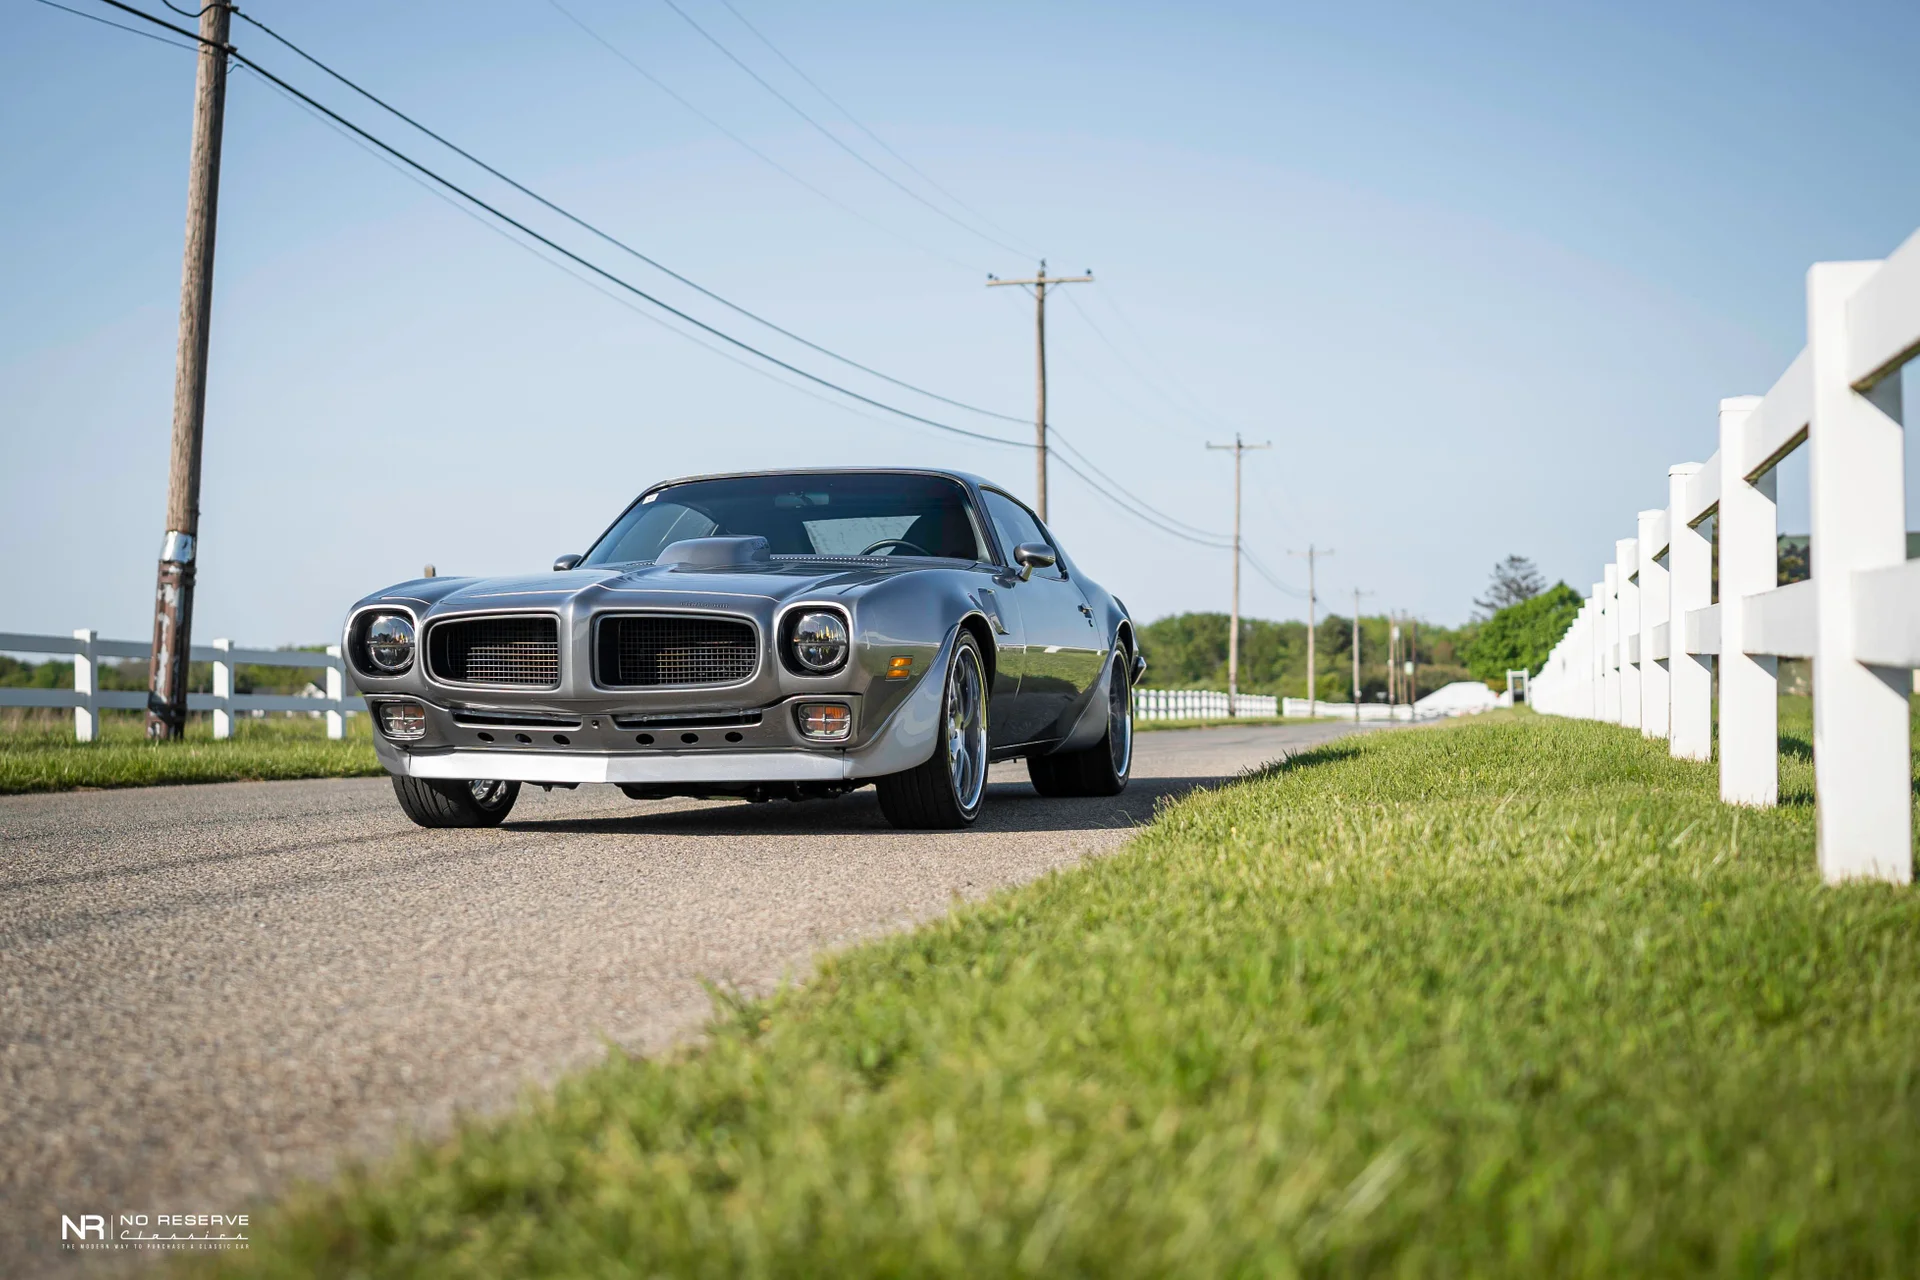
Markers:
point(1010, 806)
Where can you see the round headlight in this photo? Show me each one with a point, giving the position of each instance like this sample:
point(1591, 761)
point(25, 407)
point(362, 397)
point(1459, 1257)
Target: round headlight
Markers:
point(390, 643)
point(820, 642)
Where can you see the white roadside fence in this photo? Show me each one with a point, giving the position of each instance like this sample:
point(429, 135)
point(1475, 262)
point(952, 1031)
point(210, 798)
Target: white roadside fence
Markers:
point(1643, 649)
point(1466, 697)
point(1199, 704)
point(88, 700)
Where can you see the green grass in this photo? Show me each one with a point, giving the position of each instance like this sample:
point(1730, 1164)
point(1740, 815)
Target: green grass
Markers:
point(1514, 996)
point(41, 755)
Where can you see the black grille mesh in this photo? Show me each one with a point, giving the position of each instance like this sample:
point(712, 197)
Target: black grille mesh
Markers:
point(648, 651)
point(509, 651)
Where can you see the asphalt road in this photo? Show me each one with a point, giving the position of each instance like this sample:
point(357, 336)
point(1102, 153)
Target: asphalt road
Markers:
point(205, 991)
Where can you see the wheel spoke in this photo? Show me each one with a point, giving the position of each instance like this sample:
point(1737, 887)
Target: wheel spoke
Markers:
point(966, 728)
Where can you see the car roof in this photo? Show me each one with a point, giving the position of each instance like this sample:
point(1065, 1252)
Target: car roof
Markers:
point(964, 477)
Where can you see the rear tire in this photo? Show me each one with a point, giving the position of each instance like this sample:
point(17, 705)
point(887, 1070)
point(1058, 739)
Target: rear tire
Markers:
point(947, 790)
point(1103, 768)
point(438, 802)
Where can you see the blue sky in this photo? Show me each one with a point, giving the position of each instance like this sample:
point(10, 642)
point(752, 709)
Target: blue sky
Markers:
point(1480, 275)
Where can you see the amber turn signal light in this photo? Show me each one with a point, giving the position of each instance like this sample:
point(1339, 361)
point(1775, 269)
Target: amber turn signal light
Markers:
point(899, 667)
point(825, 721)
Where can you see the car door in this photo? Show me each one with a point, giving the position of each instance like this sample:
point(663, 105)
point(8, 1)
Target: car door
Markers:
point(1063, 648)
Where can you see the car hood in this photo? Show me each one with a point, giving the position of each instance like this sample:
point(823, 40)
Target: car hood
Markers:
point(655, 585)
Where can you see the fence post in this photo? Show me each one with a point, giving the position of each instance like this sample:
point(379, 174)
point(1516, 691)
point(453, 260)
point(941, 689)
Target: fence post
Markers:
point(1748, 532)
point(1861, 757)
point(1626, 558)
point(86, 683)
point(1596, 651)
point(222, 689)
point(1689, 587)
point(336, 694)
point(1609, 645)
point(1654, 603)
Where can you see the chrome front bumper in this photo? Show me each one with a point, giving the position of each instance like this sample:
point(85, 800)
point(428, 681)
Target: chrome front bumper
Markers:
point(704, 766)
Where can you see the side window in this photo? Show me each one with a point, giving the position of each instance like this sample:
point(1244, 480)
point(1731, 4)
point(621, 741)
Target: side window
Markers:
point(1015, 525)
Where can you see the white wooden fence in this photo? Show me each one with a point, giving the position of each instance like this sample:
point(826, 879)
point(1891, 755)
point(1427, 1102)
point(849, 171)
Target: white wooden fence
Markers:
point(1643, 650)
point(88, 700)
point(1199, 704)
point(1211, 704)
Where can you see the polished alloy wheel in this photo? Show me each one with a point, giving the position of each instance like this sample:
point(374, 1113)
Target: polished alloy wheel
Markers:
point(487, 792)
point(1120, 720)
point(966, 728)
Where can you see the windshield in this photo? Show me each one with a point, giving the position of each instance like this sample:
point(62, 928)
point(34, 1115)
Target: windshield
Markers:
point(849, 514)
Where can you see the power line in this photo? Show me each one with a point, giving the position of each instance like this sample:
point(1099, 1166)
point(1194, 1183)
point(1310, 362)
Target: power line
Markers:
point(556, 247)
point(590, 282)
point(877, 139)
point(1137, 514)
point(1125, 363)
point(120, 26)
point(1220, 539)
point(1130, 504)
point(833, 137)
point(1272, 581)
point(756, 152)
point(613, 240)
point(1194, 401)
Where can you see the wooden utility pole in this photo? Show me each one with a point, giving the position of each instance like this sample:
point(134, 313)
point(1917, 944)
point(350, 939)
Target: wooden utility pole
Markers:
point(1313, 666)
point(1039, 284)
point(1413, 663)
point(1357, 593)
point(173, 596)
point(1393, 660)
point(1233, 617)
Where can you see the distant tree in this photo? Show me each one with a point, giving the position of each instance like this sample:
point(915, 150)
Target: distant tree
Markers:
point(1514, 579)
point(1522, 634)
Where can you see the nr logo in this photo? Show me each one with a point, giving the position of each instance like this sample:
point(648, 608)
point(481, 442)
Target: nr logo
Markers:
point(91, 1226)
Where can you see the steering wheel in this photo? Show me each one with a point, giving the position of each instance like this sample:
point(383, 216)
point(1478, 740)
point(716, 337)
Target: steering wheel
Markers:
point(915, 547)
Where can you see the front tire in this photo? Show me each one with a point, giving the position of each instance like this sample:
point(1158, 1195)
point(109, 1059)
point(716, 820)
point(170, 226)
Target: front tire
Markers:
point(946, 791)
point(1103, 768)
point(437, 802)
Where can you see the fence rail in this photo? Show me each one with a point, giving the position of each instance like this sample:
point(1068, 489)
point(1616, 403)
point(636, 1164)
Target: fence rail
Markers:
point(1199, 704)
point(88, 699)
point(1211, 704)
point(1648, 644)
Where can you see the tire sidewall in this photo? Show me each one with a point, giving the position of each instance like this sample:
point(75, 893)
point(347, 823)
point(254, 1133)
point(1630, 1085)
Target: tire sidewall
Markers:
point(1122, 666)
point(966, 642)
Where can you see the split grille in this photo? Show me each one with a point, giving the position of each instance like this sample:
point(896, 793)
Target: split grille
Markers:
point(515, 650)
point(649, 651)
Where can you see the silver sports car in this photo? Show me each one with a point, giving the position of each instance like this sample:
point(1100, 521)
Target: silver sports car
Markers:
point(785, 634)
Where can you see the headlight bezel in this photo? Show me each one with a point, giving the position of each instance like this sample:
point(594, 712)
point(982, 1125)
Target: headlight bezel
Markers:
point(826, 632)
point(402, 639)
point(358, 649)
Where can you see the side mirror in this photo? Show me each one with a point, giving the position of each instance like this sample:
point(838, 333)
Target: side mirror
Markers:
point(565, 563)
point(1033, 555)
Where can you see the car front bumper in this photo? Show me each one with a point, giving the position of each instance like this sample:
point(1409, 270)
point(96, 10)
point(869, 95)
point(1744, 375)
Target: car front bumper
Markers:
point(626, 767)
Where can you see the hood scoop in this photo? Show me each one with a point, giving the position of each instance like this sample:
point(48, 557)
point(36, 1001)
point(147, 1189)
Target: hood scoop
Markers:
point(694, 555)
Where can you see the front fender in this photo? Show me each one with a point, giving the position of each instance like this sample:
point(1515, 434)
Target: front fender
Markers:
point(910, 734)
